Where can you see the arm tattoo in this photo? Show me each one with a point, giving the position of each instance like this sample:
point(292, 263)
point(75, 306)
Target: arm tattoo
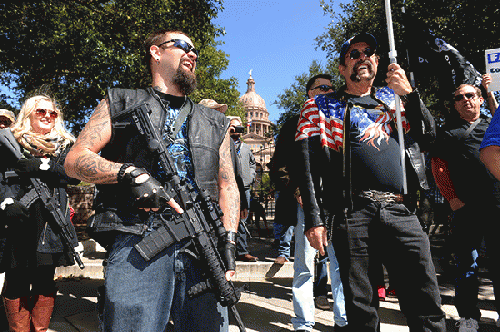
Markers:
point(229, 194)
point(85, 162)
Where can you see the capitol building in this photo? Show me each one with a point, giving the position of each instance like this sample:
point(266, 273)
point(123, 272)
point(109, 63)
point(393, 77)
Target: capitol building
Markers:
point(258, 135)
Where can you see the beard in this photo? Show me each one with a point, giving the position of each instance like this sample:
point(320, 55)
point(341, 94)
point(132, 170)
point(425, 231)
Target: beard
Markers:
point(186, 80)
point(355, 76)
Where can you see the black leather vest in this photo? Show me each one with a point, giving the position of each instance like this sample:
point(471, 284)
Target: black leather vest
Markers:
point(206, 130)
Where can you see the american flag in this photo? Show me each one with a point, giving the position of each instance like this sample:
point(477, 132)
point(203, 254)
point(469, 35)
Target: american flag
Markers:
point(324, 116)
point(313, 122)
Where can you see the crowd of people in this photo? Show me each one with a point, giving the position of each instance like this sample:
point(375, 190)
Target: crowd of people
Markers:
point(337, 164)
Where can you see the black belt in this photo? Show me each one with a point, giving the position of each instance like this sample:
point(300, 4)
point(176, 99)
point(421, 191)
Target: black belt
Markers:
point(381, 196)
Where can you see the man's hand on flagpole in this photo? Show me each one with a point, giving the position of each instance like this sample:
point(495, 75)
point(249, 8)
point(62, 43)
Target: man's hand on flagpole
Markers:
point(397, 80)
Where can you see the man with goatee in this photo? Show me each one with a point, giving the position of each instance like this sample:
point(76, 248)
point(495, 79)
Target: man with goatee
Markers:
point(352, 189)
point(144, 295)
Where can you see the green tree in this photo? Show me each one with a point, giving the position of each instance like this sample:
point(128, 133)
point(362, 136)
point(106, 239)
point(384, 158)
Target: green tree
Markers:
point(470, 26)
point(293, 98)
point(79, 48)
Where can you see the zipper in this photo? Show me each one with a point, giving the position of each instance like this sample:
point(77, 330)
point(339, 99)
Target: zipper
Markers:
point(44, 232)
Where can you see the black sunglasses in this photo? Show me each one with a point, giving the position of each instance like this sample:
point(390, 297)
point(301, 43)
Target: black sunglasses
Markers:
point(323, 87)
point(183, 45)
point(468, 95)
point(356, 54)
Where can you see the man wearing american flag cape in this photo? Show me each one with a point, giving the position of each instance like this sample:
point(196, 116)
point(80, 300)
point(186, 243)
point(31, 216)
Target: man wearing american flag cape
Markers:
point(353, 189)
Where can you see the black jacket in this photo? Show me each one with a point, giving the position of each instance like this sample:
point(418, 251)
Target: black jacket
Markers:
point(320, 180)
point(20, 241)
point(206, 132)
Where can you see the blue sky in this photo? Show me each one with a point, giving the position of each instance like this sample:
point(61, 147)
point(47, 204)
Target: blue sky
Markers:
point(273, 38)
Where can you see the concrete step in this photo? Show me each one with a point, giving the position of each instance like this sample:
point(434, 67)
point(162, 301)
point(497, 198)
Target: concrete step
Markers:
point(93, 255)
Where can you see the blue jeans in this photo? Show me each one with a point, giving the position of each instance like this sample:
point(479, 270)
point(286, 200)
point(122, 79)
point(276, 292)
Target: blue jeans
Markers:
point(141, 296)
point(284, 234)
point(387, 233)
point(470, 224)
point(303, 277)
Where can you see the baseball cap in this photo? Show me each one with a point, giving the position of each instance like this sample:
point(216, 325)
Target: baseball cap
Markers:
point(362, 37)
point(210, 103)
point(8, 114)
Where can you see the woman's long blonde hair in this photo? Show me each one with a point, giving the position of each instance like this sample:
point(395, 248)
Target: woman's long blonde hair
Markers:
point(23, 124)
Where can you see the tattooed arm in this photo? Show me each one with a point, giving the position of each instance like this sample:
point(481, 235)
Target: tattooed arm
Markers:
point(229, 196)
point(83, 161)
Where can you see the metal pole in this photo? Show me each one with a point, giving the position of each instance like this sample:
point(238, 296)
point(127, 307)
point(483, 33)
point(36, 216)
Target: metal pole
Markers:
point(392, 58)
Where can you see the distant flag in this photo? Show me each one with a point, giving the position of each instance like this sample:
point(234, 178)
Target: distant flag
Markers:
point(432, 56)
point(249, 123)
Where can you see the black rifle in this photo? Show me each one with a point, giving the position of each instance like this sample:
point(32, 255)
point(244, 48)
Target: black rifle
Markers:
point(42, 191)
point(201, 219)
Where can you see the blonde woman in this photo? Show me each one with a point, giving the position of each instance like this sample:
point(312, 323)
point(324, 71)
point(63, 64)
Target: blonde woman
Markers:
point(30, 245)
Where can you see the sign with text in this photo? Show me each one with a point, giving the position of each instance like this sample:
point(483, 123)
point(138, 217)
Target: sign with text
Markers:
point(493, 68)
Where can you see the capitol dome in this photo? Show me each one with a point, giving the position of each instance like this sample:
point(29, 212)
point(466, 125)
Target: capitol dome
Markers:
point(251, 100)
point(258, 134)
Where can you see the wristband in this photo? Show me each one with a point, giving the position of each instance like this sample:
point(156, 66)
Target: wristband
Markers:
point(121, 172)
point(6, 202)
point(231, 236)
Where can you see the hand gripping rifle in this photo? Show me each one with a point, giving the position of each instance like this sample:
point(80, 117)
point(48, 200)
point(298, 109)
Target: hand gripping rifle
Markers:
point(40, 190)
point(200, 219)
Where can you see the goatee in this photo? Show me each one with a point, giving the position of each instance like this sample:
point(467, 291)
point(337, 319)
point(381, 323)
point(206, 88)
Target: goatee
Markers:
point(186, 81)
point(355, 77)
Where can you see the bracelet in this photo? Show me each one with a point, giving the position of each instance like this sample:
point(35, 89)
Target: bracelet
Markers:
point(231, 236)
point(6, 202)
point(121, 172)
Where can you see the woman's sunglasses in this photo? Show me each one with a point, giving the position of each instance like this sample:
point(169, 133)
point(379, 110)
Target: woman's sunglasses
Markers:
point(182, 44)
point(43, 112)
point(356, 54)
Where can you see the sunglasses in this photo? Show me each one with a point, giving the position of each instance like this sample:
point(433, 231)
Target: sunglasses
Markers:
point(468, 96)
point(43, 112)
point(323, 87)
point(183, 45)
point(356, 54)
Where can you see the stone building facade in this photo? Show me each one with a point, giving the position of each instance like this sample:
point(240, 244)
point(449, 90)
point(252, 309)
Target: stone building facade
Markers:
point(258, 133)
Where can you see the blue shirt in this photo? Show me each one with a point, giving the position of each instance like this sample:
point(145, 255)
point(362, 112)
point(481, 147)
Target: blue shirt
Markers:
point(492, 135)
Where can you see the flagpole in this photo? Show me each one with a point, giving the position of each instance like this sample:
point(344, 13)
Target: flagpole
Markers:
point(399, 123)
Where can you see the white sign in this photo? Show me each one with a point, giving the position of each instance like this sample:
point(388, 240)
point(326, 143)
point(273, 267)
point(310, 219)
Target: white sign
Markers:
point(493, 68)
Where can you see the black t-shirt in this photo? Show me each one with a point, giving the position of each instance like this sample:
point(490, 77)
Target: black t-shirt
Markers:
point(375, 156)
point(472, 181)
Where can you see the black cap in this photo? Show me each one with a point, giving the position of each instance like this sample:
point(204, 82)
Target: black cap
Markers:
point(362, 37)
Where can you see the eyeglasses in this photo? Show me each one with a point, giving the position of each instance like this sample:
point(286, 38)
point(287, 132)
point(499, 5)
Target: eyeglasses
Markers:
point(323, 87)
point(43, 112)
point(182, 44)
point(356, 54)
point(468, 96)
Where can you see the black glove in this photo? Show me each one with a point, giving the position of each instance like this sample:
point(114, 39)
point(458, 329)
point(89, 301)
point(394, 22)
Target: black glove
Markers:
point(148, 194)
point(229, 255)
point(14, 213)
point(35, 167)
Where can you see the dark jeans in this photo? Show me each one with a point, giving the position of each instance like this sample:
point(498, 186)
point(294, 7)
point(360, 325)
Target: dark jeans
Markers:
point(241, 243)
point(391, 234)
point(470, 224)
point(321, 282)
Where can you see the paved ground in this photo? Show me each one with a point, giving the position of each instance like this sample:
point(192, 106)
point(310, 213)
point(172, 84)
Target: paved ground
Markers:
point(267, 304)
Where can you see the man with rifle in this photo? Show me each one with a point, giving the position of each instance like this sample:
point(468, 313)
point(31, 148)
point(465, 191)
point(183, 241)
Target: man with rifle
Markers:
point(144, 149)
